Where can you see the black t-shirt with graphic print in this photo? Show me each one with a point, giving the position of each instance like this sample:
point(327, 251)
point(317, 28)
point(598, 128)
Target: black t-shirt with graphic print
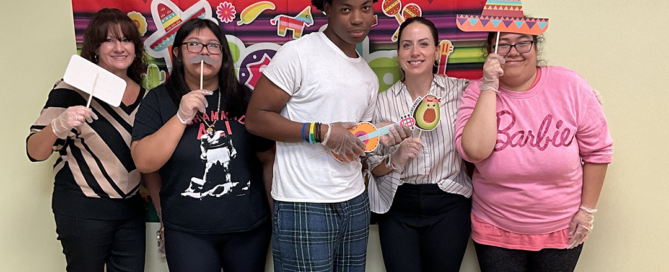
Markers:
point(213, 181)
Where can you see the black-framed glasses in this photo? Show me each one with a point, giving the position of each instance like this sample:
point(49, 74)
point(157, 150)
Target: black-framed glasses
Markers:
point(522, 47)
point(196, 47)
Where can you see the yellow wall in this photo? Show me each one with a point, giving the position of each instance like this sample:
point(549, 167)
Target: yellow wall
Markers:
point(619, 46)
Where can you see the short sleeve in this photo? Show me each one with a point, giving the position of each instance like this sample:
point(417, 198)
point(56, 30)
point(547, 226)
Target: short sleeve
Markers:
point(368, 115)
point(285, 69)
point(148, 119)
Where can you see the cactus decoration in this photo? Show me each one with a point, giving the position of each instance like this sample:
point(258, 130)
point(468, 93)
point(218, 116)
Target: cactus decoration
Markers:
point(153, 77)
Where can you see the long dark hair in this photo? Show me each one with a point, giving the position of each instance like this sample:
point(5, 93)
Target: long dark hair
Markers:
point(426, 22)
point(235, 94)
point(96, 33)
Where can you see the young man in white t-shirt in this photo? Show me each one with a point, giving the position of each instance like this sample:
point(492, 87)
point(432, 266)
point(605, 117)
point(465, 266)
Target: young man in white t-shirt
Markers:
point(313, 91)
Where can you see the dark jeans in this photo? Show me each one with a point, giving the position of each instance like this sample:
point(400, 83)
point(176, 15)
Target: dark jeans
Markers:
point(492, 259)
point(90, 244)
point(234, 252)
point(426, 229)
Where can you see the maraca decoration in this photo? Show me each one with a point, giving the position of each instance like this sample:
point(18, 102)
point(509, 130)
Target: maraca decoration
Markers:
point(391, 8)
point(445, 49)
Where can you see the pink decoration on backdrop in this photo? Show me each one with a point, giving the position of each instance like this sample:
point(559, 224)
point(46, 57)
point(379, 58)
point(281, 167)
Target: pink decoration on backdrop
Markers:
point(226, 12)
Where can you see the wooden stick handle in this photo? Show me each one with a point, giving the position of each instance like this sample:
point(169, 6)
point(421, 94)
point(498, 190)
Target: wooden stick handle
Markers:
point(90, 98)
point(497, 42)
point(201, 72)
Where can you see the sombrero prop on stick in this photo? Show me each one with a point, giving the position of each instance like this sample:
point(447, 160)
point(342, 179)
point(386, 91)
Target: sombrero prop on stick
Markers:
point(502, 16)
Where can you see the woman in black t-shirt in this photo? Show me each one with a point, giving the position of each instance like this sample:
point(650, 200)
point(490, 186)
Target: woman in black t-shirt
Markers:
point(191, 130)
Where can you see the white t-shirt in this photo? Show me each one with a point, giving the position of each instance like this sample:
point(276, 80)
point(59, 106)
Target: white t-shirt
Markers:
point(324, 86)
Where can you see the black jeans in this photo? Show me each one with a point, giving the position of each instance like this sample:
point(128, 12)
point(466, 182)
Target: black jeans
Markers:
point(90, 244)
point(492, 259)
point(426, 229)
point(234, 252)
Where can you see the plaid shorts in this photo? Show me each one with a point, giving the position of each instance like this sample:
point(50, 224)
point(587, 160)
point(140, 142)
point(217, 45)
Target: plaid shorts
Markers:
point(321, 236)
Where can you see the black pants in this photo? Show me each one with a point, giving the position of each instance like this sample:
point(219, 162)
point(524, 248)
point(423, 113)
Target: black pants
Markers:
point(89, 244)
point(492, 259)
point(234, 252)
point(426, 229)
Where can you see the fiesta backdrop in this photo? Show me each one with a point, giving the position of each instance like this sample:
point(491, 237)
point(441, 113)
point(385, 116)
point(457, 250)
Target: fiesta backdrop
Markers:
point(256, 30)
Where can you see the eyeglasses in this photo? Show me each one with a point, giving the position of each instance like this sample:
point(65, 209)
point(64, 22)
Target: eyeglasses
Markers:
point(522, 47)
point(196, 47)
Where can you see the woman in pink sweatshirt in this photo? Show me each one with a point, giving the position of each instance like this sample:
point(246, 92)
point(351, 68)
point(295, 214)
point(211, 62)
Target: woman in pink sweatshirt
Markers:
point(541, 146)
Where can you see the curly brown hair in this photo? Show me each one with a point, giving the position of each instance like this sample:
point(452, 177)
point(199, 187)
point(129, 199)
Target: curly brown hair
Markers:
point(96, 33)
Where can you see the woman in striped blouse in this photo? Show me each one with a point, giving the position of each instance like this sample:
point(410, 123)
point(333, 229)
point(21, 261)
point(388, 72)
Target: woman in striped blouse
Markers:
point(420, 186)
point(97, 208)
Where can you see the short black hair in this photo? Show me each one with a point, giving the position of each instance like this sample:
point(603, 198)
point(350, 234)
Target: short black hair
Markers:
point(320, 3)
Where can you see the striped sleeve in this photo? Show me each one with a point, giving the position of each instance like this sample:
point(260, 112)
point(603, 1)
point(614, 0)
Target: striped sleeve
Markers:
point(95, 158)
point(59, 100)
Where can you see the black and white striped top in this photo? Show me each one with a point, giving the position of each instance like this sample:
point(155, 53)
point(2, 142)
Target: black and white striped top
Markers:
point(438, 162)
point(95, 176)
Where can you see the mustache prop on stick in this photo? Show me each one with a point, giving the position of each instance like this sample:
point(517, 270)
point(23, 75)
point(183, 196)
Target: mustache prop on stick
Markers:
point(202, 59)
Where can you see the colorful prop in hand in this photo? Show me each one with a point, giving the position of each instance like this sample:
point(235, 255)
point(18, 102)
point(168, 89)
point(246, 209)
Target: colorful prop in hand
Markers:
point(426, 112)
point(94, 80)
point(392, 8)
point(445, 49)
point(502, 16)
point(369, 134)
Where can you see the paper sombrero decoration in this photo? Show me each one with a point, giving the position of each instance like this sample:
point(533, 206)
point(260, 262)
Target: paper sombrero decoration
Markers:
point(502, 16)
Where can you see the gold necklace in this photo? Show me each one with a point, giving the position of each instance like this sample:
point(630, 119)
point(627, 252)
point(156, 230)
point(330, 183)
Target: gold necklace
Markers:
point(210, 128)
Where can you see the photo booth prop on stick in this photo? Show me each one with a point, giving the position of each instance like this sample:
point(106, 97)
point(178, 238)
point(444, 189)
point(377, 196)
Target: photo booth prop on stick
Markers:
point(94, 80)
point(502, 16)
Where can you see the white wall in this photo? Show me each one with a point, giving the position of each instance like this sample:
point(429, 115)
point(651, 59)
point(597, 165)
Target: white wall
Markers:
point(619, 46)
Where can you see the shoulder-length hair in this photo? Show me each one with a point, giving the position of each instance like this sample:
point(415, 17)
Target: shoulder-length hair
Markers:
point(96, 33)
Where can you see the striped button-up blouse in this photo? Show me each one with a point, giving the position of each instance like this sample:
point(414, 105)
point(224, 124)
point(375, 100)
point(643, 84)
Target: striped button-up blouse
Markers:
point(438, 161)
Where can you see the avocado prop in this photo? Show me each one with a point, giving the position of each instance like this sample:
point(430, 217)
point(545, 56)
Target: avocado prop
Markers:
point(426, 112)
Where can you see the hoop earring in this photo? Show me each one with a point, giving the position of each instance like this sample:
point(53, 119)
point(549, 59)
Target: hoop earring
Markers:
point(436, 64)
point(325, 13)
